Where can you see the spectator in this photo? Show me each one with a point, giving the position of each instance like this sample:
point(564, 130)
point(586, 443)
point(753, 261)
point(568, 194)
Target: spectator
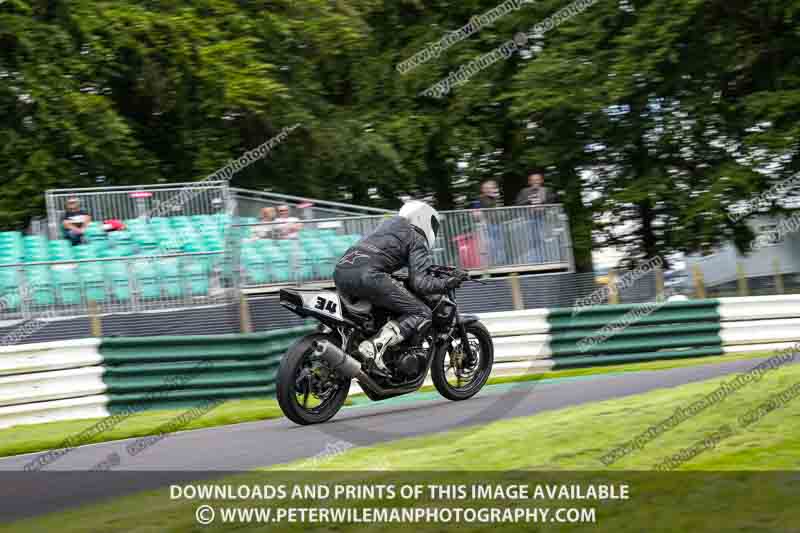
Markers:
point(75, 221)
point(490, 238)
point(488, 197)
point(288, 227)
point(536, 193)
point(266, 230)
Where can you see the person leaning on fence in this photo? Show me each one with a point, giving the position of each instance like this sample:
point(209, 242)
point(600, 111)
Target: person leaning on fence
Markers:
point(535, 194)
point(490, 232)
point(488, 198)
point(75, 222)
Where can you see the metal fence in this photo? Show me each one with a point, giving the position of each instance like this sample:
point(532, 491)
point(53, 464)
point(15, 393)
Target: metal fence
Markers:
point(512, 239)
point(249, 204)
point(51, 289)
point(128, 202)
point(507, 239)
point(198, 266)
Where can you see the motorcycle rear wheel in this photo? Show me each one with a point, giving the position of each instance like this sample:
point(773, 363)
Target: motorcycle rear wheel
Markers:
point(296, 384)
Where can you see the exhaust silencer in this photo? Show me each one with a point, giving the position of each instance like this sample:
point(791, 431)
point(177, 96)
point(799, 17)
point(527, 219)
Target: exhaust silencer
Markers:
point(337, 359)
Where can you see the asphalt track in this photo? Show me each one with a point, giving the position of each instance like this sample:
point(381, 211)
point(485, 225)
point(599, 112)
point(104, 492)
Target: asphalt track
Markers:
point(192, 455)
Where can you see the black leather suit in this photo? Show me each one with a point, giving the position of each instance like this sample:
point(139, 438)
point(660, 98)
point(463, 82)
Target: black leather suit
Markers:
point(364, 272)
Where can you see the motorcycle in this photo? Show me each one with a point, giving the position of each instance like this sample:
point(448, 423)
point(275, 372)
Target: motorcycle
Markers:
point(315, 374)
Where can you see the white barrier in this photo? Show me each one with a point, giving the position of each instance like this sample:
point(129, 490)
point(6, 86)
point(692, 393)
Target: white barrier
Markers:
point(512, 323)
point(759, 307)
point(55, 385)
point(53, 411)
point(760, 331)
point(46, 356)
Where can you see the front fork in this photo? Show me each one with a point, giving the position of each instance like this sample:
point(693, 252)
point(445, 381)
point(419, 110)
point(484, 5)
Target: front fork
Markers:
point(469, 358)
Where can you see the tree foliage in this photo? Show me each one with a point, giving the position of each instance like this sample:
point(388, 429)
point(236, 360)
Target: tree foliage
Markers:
point(651, 117)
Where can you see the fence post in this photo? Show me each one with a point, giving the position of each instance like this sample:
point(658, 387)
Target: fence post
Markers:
point(659, 283)
point(699, 286)
point(246, 324)
point(613, 293)
point(741, 280)
point(516, 292)
point(95, 321)
point(778, 276)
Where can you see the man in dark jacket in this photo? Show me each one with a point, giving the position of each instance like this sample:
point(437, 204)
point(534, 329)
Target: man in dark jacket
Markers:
point(364, 272)
point(536, 193)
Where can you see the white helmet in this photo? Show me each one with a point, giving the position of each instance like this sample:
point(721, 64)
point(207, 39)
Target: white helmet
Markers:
point(422, 216)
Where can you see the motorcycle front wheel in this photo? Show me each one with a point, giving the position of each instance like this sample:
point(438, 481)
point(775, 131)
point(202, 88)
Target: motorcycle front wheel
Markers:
point(454, 375)
point(308, 391)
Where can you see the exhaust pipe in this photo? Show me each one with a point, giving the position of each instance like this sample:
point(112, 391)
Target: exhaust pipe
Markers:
point(351, 368)
point(337, 359)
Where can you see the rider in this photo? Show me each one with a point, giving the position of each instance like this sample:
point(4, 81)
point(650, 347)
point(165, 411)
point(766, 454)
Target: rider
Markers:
point(364, 273)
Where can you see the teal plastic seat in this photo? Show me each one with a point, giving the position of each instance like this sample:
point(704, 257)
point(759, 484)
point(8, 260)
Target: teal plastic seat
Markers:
point(12, 300)
point(9, 289)
point(40, 285)
point(322, 260)
point(180, 222)
point(95, 233)
point(255, 268)
point(120, 238)
point(61, 251)
point(169, 271)
point(67, 284)
point(118, 279)
point(8, 278)
point(201, 220)
point(7, 257)
point(148, 246)
point(277, 266)
point(85, 252)
point(93, 280)
point(135, 224)
point(7, 236)
point(147, 280)
point(213, 244)
point(339, 245)
point(196, 275)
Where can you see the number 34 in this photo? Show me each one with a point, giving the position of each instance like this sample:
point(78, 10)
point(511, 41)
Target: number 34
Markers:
point(324, 304)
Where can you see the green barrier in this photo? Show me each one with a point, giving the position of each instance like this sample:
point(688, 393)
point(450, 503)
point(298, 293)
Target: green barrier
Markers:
point(160, 372)
point(635, 330)
point(602, 360)
point(624, 308)
point(560, 321)
point(200, 347)
point(610, 334)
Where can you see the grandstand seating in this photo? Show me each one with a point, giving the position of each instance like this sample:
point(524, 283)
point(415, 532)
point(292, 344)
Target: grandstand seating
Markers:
point(263, 261)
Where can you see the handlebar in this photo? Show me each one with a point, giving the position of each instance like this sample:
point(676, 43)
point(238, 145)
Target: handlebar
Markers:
point(449, 271)
point(440, 270)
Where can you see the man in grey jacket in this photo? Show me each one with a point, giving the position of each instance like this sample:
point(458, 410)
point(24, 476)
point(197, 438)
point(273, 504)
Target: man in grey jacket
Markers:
point(536, 193)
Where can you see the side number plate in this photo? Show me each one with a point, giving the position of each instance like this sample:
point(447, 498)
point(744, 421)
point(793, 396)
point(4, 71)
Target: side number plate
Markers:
point(326, 303)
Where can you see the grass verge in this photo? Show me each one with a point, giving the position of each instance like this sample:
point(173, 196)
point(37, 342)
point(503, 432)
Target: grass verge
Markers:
point(38, 437)
point(569, 439)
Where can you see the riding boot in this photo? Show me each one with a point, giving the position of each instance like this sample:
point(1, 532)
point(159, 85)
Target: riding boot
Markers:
point(374, 348)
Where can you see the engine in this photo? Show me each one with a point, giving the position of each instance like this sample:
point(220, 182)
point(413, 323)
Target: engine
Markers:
point(408, 364)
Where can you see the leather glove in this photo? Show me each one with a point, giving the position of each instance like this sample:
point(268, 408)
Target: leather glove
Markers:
point(455, 281)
